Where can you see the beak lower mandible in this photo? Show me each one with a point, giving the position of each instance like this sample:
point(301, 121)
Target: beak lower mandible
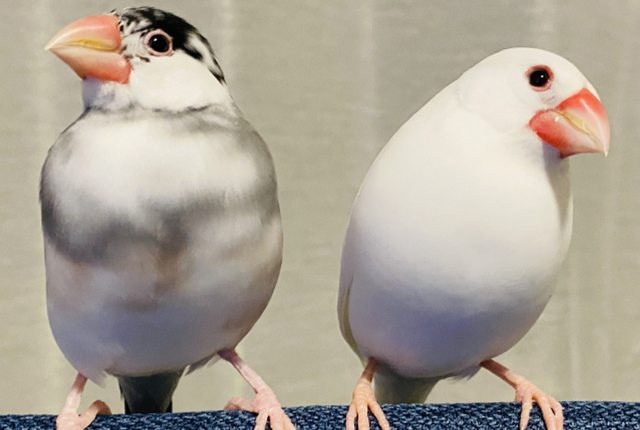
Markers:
point(577, 125)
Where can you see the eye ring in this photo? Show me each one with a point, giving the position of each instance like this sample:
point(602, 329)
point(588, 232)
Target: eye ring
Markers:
point(158, 43)
point(540, 77)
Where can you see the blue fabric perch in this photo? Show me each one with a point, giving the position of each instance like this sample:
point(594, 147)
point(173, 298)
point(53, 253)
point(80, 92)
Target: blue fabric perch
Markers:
point(578, 415)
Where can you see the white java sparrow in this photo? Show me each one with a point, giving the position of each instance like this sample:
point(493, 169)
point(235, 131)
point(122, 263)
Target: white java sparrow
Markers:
point(460, 226)
point(161, 222)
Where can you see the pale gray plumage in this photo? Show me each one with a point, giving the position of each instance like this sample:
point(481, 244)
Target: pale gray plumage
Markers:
point(161, 222)
point(167, 225)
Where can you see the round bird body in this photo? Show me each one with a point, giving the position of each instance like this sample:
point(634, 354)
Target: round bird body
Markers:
point(462, 223)
point(162, 239)
point(162, 231)
point(452, 261)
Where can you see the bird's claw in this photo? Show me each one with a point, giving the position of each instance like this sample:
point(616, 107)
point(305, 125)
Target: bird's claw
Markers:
point(267, 407)
point(362, 401)
point(527, 393)
point(69, 419)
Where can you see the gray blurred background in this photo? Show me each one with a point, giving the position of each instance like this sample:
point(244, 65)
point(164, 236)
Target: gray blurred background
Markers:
point(327, 83)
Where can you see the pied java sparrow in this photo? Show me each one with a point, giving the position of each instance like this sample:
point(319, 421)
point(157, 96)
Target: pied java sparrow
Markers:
point(460, 227)
point(161, 222)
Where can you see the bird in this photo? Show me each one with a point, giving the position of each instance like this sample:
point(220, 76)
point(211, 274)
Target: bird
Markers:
point(460, 227)
point(161, 222)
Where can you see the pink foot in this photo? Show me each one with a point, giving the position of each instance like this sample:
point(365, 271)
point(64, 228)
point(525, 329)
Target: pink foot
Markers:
point(527, 393)
point(267, 407)
point(364, 399)
point(68, 419)
point(265, 404)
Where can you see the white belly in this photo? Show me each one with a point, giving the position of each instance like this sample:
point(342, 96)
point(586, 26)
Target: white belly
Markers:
point(442, 278)
point(426, 330)
point(126, 320)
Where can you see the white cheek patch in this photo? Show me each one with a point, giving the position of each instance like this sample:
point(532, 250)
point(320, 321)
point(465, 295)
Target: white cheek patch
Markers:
point(175, 83)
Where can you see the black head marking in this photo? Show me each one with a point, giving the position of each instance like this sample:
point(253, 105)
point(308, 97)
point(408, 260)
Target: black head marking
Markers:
point(185, 36)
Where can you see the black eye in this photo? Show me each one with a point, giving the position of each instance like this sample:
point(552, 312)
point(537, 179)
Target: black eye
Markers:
point(159, 43)
point(539, 77)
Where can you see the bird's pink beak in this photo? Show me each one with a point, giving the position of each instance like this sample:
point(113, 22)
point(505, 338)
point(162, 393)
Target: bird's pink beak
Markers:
point(91, 47)
point(577, 125)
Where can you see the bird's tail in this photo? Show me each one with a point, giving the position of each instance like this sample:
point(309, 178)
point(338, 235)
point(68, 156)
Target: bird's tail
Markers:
point(149, 394)
point(393, 388)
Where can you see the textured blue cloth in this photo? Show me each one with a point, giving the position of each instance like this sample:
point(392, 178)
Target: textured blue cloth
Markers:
point(578, 415)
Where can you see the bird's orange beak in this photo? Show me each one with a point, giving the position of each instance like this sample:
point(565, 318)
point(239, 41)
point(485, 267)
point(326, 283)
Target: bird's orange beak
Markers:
point(91, 47)
point(577, 125)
